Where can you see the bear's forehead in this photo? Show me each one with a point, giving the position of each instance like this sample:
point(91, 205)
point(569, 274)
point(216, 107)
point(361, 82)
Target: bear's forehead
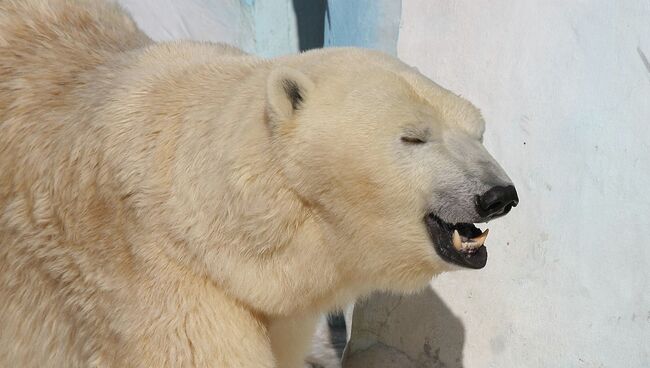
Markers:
point(419, 100)
point(384, 81)
point(453, 110)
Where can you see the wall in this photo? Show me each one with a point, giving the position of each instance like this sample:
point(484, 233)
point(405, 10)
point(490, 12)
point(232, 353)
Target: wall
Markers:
point(363, 23)
point(565, 89)
point(266, 28)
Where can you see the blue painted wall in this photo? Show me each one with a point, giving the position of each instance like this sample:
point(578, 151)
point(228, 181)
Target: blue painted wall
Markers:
point(273, 27)
point(363, 23)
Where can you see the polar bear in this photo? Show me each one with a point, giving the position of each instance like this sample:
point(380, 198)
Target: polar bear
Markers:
point(185, 204)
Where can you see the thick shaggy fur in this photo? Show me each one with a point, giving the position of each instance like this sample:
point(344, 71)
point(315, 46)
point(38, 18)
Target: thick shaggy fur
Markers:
point(184, 204)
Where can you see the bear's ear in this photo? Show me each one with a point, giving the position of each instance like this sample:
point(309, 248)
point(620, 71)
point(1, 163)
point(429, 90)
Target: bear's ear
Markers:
point(286, 91)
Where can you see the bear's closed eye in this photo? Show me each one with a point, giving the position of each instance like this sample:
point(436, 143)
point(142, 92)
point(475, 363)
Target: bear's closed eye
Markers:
point(413, 140)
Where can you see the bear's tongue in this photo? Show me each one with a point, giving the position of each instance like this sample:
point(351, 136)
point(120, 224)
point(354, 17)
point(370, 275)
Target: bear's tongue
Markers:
point(468, 245)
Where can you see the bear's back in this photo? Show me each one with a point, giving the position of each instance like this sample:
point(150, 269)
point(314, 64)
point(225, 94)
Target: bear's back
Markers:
point(46, 46)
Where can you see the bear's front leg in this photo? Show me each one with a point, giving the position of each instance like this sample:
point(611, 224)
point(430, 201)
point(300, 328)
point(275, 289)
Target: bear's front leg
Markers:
point(204, 329)
point(291, 339)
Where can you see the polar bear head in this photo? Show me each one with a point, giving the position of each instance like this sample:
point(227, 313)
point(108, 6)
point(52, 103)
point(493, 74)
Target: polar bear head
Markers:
point(392, 164)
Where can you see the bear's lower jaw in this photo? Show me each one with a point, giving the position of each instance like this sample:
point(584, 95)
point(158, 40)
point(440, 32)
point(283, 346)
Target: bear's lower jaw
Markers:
point(442, 235)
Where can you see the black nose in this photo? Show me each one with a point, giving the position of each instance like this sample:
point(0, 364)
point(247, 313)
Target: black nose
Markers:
point(497, 201)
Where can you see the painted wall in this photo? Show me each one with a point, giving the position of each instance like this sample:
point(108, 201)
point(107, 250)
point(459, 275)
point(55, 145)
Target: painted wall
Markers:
point(266, 28)
point(363, 23)
point(565, 89)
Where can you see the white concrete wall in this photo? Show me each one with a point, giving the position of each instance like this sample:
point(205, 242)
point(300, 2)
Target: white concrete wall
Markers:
point(565, 89)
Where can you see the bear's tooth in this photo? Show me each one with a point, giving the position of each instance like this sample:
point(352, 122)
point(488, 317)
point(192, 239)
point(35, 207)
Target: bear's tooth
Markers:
point(471, 245)
point(481, 238)
point(458, 244)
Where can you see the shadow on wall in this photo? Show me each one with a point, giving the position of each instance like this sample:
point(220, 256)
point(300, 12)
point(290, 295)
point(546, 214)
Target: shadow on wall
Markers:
point(310, 19)
point(414, 331)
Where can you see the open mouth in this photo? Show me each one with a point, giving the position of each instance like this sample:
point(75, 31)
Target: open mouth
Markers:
point(462, 244)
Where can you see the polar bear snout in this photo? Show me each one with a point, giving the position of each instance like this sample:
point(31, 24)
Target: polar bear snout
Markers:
point(452, 229)
point(497, 202)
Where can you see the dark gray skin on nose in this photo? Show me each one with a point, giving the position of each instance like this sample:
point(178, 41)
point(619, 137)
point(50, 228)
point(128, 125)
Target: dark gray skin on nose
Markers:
point(497, 201)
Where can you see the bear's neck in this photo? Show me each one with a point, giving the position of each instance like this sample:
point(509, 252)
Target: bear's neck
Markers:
point(210, 181)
